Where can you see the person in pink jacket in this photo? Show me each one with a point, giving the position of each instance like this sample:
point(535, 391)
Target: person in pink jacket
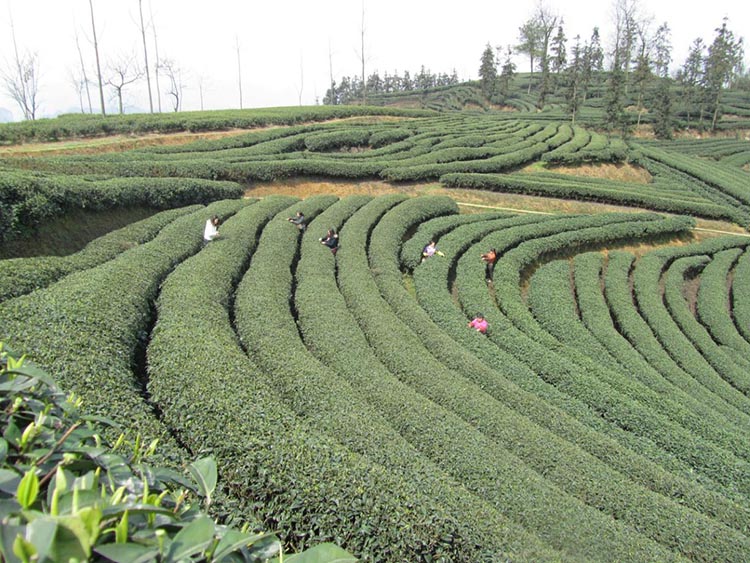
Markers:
point(479, 323)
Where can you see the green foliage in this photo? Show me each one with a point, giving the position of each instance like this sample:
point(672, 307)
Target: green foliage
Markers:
point(23, 275)
point(68, 495)
point(29, 198)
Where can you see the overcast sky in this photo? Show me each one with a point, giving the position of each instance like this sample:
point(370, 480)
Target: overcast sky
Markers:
point(284, 45)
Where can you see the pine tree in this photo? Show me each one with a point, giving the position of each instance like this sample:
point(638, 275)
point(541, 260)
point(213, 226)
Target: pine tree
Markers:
point(559, 53)
point(691, 75)
point(719, 70)
point(573, 78)
point(508, 72)
point(488, 71)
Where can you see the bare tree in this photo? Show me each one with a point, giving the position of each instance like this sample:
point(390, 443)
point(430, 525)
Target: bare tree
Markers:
point(145, 57)
point(79, 83)
point(84, 76)
point(239, 68)
point(121, 72)
point(156, 53)
point(176, 87)
point(362, 56)
point(98, 66)
point(22, 82)
point(330, 70)
point(301, 79)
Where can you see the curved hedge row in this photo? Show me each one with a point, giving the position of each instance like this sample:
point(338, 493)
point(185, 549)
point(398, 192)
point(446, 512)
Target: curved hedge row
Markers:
point(554, 305)
point(84, 125)
point(693, 373)
point(29, 198)
point(574, 470)
point(577, 374)
point(565, 416)
point(713, 306)
point(281, 469)
point(480, 462)
point(88, 319)
point(741, 295)
point(19, 276)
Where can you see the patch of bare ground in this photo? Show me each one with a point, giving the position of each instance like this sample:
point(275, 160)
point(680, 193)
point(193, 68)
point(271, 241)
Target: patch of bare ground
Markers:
point(619, 172)
point(113, 143)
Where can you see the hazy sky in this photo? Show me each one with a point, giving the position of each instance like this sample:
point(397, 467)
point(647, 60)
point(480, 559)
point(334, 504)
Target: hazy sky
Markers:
point(284, 45)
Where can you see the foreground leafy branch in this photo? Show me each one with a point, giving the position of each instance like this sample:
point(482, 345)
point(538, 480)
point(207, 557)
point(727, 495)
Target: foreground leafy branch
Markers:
point(66, 495)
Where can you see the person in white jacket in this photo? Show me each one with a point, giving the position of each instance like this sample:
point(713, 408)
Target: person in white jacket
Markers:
point(211, 231)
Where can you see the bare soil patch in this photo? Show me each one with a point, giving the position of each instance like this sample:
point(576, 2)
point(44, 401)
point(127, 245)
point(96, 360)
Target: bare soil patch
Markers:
point(618, 172)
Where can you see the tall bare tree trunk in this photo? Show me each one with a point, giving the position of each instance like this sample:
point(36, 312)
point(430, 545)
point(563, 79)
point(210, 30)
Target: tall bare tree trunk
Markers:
point(364, 83)
point(85, 76)
point(239, 69)
point(330, 71)
point(98, 66)
point(156, 53)
point(145, 58)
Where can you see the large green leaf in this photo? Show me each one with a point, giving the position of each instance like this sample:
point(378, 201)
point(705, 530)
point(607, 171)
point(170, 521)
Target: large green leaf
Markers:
point(232, 541)
point(41, 532)
point(206, 475)
point(323, 553)
point(191, 540)
point(28, 489)
point(127, 552)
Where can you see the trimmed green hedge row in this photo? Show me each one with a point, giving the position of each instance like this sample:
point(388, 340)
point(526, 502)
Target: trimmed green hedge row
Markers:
point(625, 400)
point(83, 125)
point(88, 319)
point(331, 333)
point(291, 476)
point(512, 382)
point(575, 471)
point(554, 305)
point(476, 457)
point(741, 295)
point(334, 407)
point(606, 309)
point(713, 306)
point(664, 352)
point(729, 180)
point(29, 198)
point(576, 373)
point(19, 276)
point(575, 188)
point(433, 229)
point(672, 318)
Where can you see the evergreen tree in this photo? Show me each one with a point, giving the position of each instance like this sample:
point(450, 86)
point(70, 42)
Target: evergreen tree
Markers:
point(691, 76)
point(719, 69)
point(662, 107)
point(642, 77)
point(508, 72)
point(595, 58)
point(614, 113)
point(488, 71)
point(559, 53)
point(573, 77)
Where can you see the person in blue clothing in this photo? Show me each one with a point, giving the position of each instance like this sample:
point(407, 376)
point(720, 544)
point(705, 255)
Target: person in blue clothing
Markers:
point(299, 220)
point(331, 240)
